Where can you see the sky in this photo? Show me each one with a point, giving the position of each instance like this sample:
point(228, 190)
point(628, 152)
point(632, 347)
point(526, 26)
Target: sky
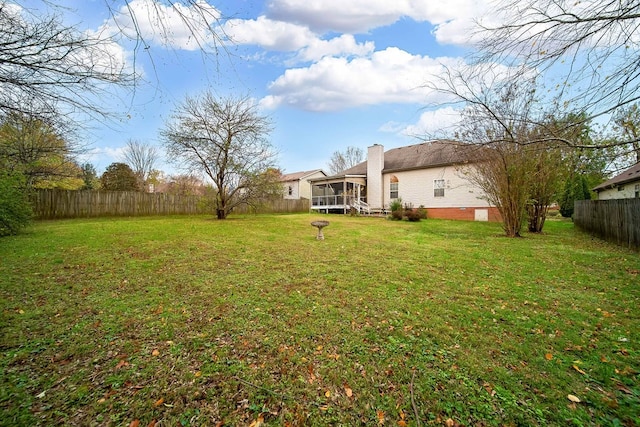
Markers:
point(328, 73)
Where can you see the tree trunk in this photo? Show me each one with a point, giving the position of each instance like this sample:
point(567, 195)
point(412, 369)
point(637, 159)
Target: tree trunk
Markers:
point(537, 215)
point(221, 213)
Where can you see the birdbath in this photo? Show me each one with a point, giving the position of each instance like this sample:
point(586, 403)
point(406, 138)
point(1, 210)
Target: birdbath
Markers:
point(320, 225)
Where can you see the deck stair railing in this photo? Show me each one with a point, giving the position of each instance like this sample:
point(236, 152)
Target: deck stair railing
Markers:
point(362, 207)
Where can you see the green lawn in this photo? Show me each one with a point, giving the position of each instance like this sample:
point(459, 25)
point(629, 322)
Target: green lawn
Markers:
point(193, 321)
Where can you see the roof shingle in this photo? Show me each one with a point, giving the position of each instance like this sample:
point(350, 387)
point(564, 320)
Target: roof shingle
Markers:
point(419, 156)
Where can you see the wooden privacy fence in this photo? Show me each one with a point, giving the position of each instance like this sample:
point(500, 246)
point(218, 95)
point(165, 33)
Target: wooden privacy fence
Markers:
point(275, 206)
point(614, 220)
point(54, 204)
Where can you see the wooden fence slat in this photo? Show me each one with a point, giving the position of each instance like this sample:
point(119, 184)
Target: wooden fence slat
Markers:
point(56, 204)
point(615, 220)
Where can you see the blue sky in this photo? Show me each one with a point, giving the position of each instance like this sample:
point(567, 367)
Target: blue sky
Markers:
point(329, 73)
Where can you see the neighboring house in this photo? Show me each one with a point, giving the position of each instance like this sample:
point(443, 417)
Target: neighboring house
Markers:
point(296, 185)
point(623, 186)
point(430, 175)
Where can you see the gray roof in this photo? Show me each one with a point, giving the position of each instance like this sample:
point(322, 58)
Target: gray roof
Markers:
point(631, 174)
point(295, 176)
point(420, 156)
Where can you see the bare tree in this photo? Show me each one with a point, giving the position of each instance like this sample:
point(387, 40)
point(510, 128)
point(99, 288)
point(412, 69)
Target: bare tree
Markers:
point(343, 160)
point(502, 168)
point(46, 66)
point(627, 128)
point(226, 140)
point(519, 161)
point(142, 159)
point(591, 47)
point(547, 174)
point(185, 185)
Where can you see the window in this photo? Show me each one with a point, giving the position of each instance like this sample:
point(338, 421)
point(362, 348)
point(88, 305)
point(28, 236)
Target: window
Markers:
point(393, 188)
point(438, 188)
point(290, 190)
point(637, 191)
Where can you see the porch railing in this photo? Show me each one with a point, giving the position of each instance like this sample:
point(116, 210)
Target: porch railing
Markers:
point(327, 201)
point(341, 200)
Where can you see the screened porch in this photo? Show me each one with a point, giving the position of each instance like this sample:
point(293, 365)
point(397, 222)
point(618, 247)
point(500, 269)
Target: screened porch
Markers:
point(338, 195)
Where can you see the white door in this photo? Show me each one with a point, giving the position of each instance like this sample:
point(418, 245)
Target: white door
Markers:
point(482, 215)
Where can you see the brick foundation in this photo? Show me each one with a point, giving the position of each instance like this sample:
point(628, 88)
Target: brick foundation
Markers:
point(464, 214)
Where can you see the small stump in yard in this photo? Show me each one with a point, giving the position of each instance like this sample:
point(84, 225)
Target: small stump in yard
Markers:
point(320, 225)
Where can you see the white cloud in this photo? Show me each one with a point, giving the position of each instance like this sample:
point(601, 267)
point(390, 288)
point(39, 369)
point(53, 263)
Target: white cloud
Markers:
point(357, 16)
point(269, 34)
point(107, 56)
point(388, 76)
point(461, 27)
point(337, 15)
point(346, 44)
point(287, 37)
point(434, 124)
point(177, 26)
point(103, 157)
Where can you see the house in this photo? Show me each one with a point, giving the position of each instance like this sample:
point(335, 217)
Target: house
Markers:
point(431, 175)
point(623, 186)
point(296, 185)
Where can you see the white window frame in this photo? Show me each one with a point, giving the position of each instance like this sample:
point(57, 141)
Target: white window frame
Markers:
point(438, 187)
point(392, 191)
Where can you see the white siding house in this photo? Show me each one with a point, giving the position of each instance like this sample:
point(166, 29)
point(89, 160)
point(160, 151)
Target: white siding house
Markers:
point(296, 185)
point(430, 175)
point(623, 186)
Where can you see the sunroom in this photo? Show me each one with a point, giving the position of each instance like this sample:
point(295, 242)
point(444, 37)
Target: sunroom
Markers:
point(338, 194)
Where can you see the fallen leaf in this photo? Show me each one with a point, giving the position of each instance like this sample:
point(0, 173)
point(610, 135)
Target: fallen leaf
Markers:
point(152, 423)
point(134, 423)
point(573, 398)
point(155, 352)
point(122, 363)
point(327, 393)
point(450, 423)
point(348, 391)
point(624, 389)
point(489, 389)
point(548, 356)
point(579, 370)
point(603, 359)
point(198, 374)
point(312, 376)
point(402, 423)
point(158, 402)
point(258, 422)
